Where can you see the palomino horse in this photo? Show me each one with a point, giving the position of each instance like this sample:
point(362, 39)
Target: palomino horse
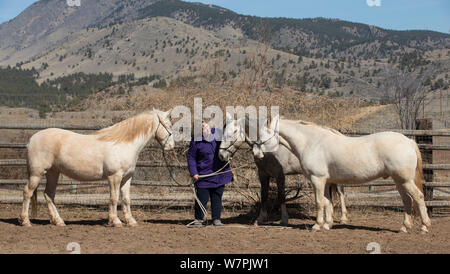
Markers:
point(276, 164)
point(110, 153)
point(327, 156)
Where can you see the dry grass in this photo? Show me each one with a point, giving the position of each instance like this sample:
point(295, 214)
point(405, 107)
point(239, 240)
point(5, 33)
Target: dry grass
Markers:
point(339, 113)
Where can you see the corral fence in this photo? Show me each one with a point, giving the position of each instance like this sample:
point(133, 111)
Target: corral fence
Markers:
point(152, 185)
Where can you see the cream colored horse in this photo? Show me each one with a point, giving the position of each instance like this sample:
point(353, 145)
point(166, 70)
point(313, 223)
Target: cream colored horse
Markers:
point(328, 156)
point(277, 163)
point(110, 153)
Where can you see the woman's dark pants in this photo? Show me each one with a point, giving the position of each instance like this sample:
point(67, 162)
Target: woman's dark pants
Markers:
point(204, 194)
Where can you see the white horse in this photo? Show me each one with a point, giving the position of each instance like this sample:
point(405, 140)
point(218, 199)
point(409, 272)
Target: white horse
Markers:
point(328, 156)
point(276, 164)
point(110, 153)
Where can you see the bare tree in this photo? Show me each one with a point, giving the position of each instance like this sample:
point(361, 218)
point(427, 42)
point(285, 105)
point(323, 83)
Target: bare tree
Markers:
point(407, 91)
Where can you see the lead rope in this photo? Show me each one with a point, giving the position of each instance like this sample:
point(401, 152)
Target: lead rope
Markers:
point(202, 208)
point(205, 213)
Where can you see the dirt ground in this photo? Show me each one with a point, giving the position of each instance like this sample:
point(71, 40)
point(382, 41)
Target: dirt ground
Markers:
point(164, 231)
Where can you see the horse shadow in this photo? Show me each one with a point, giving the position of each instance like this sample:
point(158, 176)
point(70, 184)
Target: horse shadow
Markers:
point(15, 221)
point(98, 222)
point(246, 218)
point(249, 218)
point(362, 227)
point(11, 221)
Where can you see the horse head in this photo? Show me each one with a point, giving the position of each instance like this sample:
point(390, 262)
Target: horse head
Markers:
point(268, 139)
point(234, 136)
point(163, 133)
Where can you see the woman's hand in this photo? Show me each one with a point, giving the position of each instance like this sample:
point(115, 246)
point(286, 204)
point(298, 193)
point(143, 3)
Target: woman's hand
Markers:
point(195, 177)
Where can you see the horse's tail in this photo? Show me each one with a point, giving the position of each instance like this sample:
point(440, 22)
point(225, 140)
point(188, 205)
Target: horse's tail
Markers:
point(418, 177)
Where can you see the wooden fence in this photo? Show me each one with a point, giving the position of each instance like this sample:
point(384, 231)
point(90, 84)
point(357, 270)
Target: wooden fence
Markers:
point(380, 197)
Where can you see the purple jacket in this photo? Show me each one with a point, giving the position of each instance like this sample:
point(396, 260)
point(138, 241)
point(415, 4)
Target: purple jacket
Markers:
point(203, 158)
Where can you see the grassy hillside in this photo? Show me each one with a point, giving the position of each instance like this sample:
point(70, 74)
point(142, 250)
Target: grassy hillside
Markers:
point(19, 88)
point(122, 44)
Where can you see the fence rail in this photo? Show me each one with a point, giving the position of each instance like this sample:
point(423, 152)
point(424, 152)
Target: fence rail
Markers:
point(173, 200)
point(413, 132)
point(170, 183)
point(153, 146)
point(23, 162)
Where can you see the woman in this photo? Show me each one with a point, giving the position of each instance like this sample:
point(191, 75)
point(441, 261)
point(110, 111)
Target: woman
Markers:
point(203, 158)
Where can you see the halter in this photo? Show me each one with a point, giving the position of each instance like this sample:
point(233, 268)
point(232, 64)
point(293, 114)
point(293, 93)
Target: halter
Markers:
point(232, 152)
point(228, 148)
point(168, 131)
point(260, 143)
point(251, 143)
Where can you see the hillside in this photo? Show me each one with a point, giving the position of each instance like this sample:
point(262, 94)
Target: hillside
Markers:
point(49, 21)
point(317, 36)
point(175, 41)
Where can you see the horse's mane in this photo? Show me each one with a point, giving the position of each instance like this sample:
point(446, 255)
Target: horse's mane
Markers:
point(127, 130)
point(306, 123)
point(319, 126)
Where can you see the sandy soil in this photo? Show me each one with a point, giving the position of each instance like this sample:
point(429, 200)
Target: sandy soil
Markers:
point(165, 232)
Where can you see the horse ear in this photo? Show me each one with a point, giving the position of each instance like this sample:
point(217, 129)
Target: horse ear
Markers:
point(229, 118)
point(274, 123)
point(167, 113)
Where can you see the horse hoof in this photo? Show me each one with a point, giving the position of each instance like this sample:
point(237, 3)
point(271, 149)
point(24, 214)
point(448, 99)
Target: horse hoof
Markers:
point(60, 223)
point(343, 222)
point(326, 226)
point(26, 224)
point(403, 229)
point(24, 221)
point(316, 227)
point(132, 224)
point(115, 224)
point(424, 229)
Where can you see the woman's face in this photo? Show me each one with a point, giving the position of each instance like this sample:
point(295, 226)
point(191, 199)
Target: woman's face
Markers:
point(206, 130)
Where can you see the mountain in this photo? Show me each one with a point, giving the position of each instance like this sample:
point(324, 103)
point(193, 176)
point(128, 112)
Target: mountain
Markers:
point(172, 39)
point(48, 21)
point(319, 35)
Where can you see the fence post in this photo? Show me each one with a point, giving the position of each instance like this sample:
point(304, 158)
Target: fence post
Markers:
point(427, 157)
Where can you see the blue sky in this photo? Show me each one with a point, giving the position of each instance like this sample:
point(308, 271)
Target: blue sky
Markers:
point(391, 14)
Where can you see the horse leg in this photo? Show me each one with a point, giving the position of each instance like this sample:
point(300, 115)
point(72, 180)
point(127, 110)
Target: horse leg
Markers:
point(328, 208)
point(114, 186)
point(28, 191)
point(340, 191)
point(126, 202)
point(49, 194)
point(407, 202)
point(417, 196)
point(282, 198)
point(319, 190)
point(264, 180)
